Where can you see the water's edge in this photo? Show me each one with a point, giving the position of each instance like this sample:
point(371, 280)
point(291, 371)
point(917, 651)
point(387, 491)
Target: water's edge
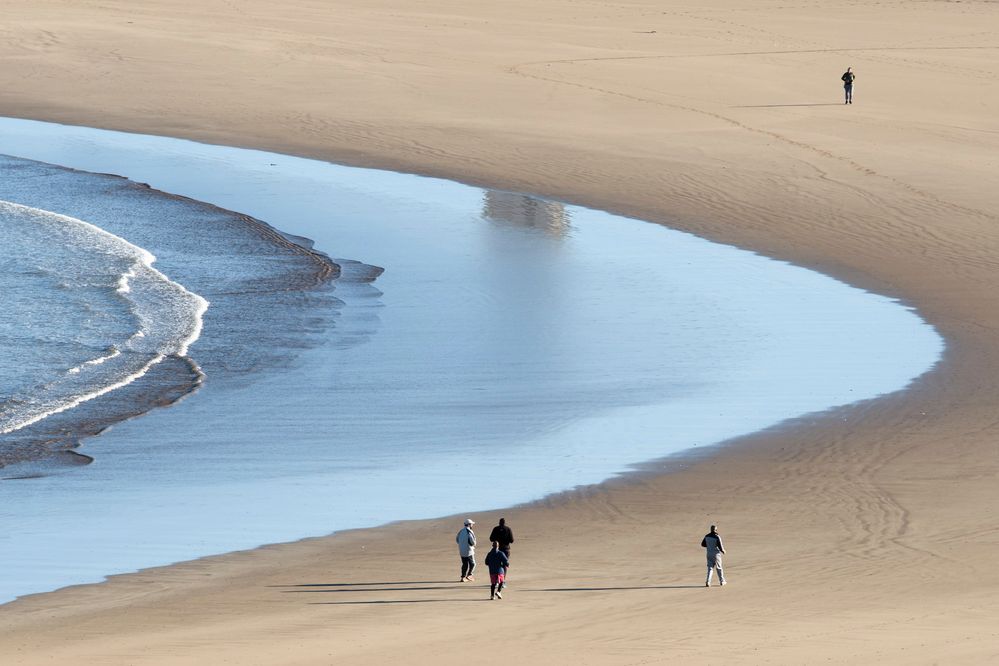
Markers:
point(653, 464)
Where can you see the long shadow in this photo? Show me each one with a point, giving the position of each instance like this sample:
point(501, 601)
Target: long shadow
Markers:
point(373, 589)
point(774, 106)
point(611, 589)
point(432, 585)
point(390, 582)
point(398, 601)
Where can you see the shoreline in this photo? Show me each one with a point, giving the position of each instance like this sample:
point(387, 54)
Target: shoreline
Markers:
point(189, 181)
point(898, 492)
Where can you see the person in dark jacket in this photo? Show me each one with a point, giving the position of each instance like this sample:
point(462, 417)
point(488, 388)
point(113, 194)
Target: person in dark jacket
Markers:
point(847, 78)
point(712, 543)
point(503, 535)
point(498, 562)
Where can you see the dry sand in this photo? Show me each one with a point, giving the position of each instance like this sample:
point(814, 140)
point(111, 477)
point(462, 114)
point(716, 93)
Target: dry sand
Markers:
point(868, 534)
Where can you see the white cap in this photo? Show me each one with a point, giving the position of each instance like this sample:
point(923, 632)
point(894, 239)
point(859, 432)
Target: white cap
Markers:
point(469, 521)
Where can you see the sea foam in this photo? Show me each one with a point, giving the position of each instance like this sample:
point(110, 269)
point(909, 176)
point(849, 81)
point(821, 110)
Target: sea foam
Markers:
point(93, 268)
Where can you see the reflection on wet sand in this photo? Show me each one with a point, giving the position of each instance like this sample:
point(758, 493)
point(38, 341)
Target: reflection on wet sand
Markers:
point(525, 211)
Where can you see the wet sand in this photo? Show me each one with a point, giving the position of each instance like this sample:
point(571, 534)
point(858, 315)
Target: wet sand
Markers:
point(870, 533)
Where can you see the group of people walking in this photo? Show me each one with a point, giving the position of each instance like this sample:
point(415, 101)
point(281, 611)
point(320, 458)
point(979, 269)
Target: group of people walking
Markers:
point(498, 559)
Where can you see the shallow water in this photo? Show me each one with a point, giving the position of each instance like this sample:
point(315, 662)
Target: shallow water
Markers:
point(97, 334)
point(513, 347)
point(89, 314)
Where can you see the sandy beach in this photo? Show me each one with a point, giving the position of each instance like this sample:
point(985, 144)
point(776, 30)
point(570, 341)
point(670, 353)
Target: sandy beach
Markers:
point(866, 534)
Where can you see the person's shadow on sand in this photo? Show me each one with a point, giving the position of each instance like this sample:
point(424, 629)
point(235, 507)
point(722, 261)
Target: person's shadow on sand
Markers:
point(382, 586)
point(416, 586)
point(344, 590)
point(393, 582)
point(399, 601)
point(613, 589)
point(774, 106)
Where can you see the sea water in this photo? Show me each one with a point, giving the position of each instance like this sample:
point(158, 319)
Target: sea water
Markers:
point(512, 347)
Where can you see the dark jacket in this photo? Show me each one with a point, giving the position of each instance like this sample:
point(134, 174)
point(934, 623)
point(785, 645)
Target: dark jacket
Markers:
point(713, 543)
point(497, 561)
point(503, 535)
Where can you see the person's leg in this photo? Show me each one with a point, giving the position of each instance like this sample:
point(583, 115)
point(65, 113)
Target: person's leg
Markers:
point(464, 568)
point(707, 581)
point(503, 582)
point(499, 588)
point(471, 567)
point(721, 574)
point(492, 589)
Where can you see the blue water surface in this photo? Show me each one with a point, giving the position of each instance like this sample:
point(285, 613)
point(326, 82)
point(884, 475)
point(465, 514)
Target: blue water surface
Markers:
point(513, 347)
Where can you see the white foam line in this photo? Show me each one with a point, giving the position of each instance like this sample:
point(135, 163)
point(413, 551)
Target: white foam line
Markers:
point(146, 259)
point(199, 319)
point(79, 400)
point(124, 287)
point(94, 361)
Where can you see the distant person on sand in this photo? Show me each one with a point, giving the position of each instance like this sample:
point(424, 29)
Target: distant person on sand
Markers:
point(503, 535)
point(712, 542)
point(466, 549)
point(497, 561)
point(848, 77)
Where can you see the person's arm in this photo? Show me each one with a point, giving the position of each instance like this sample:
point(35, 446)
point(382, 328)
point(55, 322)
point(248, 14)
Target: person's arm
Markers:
point(721, 547)
point(509, 533)
point(704, 542)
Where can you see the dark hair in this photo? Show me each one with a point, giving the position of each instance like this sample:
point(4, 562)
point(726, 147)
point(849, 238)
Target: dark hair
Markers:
point(502, 521)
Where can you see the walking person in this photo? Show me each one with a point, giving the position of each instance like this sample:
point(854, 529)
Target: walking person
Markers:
point(466, 549)
point(712, 542)
point(503, 535)
point(847, 78)
point(498, 563)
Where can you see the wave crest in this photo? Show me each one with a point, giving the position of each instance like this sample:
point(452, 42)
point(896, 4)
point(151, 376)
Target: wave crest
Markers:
point(166, 318)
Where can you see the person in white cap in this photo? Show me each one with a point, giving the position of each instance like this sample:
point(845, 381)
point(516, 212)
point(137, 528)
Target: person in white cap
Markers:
point(466, 549)
point(713, 544)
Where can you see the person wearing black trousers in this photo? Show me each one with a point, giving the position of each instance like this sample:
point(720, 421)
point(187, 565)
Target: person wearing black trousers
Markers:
point(503, 535)
point(847, 78)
